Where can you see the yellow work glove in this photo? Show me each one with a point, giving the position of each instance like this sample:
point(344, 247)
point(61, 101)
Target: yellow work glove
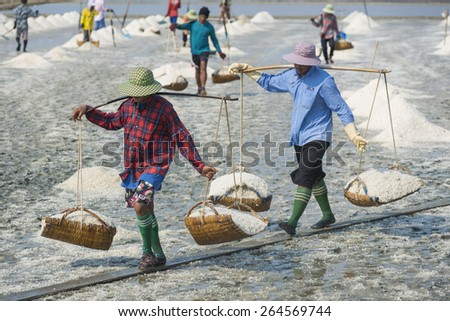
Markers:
point(238, 67)
point(355, 137)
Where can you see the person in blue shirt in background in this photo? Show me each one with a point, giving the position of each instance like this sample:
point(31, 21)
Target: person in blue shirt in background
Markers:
point(22, 13)
point(201, 30)
point(315, 96)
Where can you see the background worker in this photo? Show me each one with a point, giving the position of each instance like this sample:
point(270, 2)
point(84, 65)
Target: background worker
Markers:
point(327, 22)
point(315, 98)
point(201, 30)
point(225, 8)
point(99, 20)
point(189, 16)
point(22, 13)
point(87, 21)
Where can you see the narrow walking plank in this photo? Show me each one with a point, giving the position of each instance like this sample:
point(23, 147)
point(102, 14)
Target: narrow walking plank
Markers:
point(226, 249)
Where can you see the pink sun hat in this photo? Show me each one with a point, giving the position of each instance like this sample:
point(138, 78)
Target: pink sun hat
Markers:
point(304, 54)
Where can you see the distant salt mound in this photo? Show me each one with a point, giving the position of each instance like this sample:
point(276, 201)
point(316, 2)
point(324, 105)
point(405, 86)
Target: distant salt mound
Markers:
point(262, 17)
point(443, 49)
point(28, 60)
point(97, 181)
point(358, 23)
point(410, 125)
point(384, 186)
point(143, 27)
point(58, 54)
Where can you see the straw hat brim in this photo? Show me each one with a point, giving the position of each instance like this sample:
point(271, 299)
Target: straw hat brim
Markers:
point(327, 10)
point(299, 60)
point(192, 16)
point(139, 91)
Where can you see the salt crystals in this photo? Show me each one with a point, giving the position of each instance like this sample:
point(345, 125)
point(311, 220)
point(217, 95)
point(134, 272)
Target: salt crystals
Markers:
point(85, 218)
point(250, 186)
point(385, 186)
point(248, 223)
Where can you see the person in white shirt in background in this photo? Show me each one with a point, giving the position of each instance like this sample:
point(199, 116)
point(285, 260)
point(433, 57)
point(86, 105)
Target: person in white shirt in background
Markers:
point(99, 20)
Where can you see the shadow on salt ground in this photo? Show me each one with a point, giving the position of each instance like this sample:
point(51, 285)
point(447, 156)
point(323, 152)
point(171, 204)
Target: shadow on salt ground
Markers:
point(416, 227)
point(118, 261)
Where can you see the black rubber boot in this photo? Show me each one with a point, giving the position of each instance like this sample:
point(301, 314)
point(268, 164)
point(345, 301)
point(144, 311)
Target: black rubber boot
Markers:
point(18, 44)
point(25, 42)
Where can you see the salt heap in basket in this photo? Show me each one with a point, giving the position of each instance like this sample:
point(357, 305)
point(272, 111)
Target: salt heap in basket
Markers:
point(374, 188)
point(249, 190)
point(80, 227)
point(209, 224)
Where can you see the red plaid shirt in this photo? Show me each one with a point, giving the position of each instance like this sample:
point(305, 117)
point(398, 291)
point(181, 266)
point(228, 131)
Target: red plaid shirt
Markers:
point(151, 131)
point(329, 28)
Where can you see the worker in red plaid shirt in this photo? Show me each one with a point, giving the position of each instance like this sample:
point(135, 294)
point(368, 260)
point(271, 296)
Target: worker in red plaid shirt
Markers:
point(152, 131)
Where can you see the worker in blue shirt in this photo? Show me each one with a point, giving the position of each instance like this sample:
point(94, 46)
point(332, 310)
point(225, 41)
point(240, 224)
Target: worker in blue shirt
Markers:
point(201, 30)
point(315, 96)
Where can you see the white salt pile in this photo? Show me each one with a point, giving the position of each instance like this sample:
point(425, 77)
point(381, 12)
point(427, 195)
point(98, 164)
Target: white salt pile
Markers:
point(249, 186)
point(97, 181)
point(262, 17)
point(358, 23)
point(387, 186)
point(247, 222)
point(27, 61)
point(85, 218)
point(410, 125)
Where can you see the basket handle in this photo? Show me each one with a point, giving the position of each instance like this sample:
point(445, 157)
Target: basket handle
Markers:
point(204, 203)
point(71, 210)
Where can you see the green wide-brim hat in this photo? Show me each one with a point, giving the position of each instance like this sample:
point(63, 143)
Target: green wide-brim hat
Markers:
point(140, 83)
point(192, 14)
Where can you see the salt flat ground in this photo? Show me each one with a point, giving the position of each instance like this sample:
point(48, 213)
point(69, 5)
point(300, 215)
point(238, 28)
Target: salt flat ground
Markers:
point(406, 258)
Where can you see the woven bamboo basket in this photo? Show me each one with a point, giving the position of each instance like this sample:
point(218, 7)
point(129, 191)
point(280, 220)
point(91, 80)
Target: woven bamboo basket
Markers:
point(178, 85)
point(214, 229)
point(95, 43)
point(360, 199)
point(94, 236)
point(223, 75)
point(342, 44)
point(255, 204)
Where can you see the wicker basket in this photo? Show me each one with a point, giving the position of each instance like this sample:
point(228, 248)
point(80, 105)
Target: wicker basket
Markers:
point(360, 199)
point(178, 85)
point(95, 43)
point(93, 236)
point(255, 204)
point(342, 44)
point(223, 75)
point(214, 229)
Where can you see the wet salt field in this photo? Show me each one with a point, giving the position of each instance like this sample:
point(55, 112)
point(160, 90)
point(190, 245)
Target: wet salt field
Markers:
point(404, 258)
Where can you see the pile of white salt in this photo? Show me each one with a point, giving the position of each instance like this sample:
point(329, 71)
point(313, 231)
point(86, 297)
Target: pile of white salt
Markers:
point(385, 186)
point(97, 181)
point(247, 186)
point(85, 218)
point(247, 222)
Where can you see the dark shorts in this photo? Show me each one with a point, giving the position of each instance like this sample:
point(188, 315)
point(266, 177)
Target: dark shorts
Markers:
point(309, 158)
point(201, 57)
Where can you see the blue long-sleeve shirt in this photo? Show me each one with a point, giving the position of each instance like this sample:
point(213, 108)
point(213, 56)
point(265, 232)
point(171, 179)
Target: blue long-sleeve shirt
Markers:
point(315, 96)
point(199, 36)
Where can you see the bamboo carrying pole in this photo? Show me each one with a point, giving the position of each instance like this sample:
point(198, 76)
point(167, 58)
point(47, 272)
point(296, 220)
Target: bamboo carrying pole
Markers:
point(383, 71)
point(163, 94)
